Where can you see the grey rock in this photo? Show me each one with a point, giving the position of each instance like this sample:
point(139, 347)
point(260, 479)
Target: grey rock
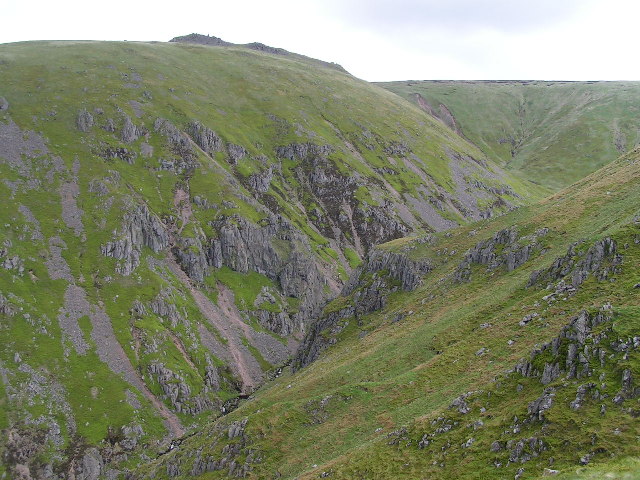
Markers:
point(236, 153)
point(537, 408)
point(277, 250)
point(4, 105)
point(109, 125)
point(460, 403)
point(205, 138)
point(301, 151)
point(260, 182)
point(84, 121)
point(600, 260)
point(139, 228)
point(5, 307)
point(497, 446)
point(90, 466)
point(130, 133)
point(369, 289)
point(178, 141)
point(581, 394)
point(502, 250)
point(177, 391)
point(550, 373)
point(575, 363)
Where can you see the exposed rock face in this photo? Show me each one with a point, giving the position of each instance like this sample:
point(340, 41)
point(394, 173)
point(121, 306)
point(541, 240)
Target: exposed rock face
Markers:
point(179, 143)
point(260, 182)
point(600, 260)
point(368, 289)
point(130, 133)
point(340, 215)
point(301, 151)
point(190, 254)
point(178, 392)
point(205, 138)
point(236, 153)
point(568, 351)
point(199, 39)
point(90, 466)
point(277, 250)
point(84, 122)
point(140, 228)
point(236, 458)
point(504, 249)
point(5, 307)
point(407, 272)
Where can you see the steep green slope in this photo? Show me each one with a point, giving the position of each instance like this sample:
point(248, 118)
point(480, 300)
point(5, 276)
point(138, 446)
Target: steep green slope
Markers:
point(174, 218)
point(496, 350)
point(553, 133)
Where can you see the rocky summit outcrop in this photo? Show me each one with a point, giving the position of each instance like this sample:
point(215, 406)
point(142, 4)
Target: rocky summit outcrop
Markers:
point(209, 40)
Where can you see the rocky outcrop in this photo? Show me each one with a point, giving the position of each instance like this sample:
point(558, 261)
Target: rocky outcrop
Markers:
point(340, 215)
point(401, 268)
point(570, 270)
point(179, 143)
point(277, 250)
point(130, 132)
point(236, 457)
point(505, 249)
point(277, 322)
point(201, 40)
point(260, 182)
point(302, 151)
point(5, 307)
point(90, 465)
point(205, 138)
point(190, 254)
point(140, 228)
point(84, 121)
point(178, 393)
point(381, 274)
point(568, 352)
point(4, 105)
point(236, 153)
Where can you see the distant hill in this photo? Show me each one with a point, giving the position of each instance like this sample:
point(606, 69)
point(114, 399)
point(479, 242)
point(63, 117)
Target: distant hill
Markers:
point(553, 133)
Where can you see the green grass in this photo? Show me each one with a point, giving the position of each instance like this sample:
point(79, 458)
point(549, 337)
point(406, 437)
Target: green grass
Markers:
point(378, 375)
point(389, 374)
point(553, 133)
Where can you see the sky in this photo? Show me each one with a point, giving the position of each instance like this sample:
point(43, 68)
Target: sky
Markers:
point(376, 40)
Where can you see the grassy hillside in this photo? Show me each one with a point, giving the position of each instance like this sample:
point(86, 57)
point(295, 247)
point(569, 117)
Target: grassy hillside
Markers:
point(553, 133)
point(471, 374)
point(175, 216)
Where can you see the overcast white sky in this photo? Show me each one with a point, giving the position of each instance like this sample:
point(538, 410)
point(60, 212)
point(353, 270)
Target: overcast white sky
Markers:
point(373, 39)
